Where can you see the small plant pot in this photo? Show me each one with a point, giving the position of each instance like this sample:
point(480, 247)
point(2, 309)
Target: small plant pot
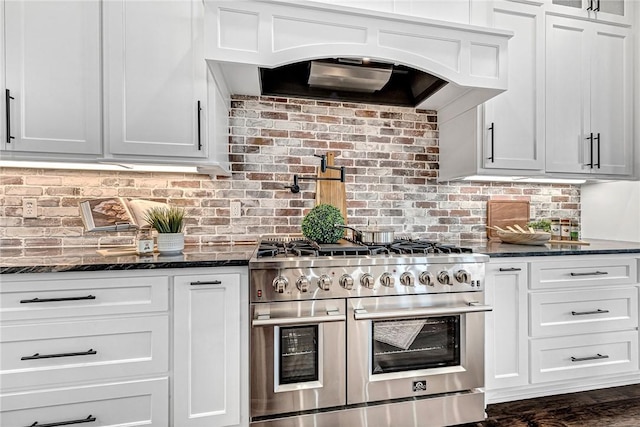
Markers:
point(170, 243)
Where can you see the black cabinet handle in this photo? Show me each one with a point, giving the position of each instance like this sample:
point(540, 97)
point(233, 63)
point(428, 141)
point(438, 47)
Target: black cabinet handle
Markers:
point(210, 282)
point(50, 356)
point(89, 419)
point(199, 109)
point(590, 164)
point(510, 269)
point(492, 157)
point(7, 102)
point(582, 313)
point(593, 273)
point(597, 138)
point(596, 357)
point(33, 300)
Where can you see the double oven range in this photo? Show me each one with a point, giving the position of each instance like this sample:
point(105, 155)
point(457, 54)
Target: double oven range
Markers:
point(356, 335)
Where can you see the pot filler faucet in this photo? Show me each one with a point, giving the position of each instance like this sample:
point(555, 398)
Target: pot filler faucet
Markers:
point(295, 187)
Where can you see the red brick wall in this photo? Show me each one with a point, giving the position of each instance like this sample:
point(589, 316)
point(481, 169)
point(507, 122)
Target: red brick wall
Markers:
point(390, 155)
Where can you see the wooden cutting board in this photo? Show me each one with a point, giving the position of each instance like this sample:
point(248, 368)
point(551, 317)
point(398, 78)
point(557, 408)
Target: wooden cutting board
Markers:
point(331, 192)
point(506, 212)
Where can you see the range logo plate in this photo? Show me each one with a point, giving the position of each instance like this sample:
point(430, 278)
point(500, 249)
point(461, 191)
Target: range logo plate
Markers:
point(420, 385)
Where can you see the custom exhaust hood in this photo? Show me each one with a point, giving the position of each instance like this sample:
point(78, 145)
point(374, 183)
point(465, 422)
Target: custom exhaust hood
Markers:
point(314, 50)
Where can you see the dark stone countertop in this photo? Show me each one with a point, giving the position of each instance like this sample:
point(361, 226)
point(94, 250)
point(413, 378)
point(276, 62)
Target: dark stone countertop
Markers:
point(50, 260)
point(497, 249)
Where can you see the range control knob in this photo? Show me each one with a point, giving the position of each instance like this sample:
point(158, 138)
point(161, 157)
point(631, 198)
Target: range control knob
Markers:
point(324, 282)
point(463, 276)
point(407, 279)
point(444, 278)
point(367, 281)
point(303, 284)
point(280, 284)
point(346, 282)
point(387, 280)
point(426, 278)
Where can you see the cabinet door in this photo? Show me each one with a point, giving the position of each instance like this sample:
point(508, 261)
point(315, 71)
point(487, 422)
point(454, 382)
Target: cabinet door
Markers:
point(207, 350)
point(155, 78)
point(53, 76)
point(514, 129)
point(567, 96)
point(506, 325)
point(611, 99)
point(617, 11)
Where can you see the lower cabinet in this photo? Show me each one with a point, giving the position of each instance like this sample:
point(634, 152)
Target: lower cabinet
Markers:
point(207, 362)
point(115, 348)
point(507, 342)
point(561, 324)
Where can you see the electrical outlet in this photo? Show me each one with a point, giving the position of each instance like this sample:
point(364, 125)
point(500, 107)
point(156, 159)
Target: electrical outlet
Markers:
point(29, 208)
point(236, 212)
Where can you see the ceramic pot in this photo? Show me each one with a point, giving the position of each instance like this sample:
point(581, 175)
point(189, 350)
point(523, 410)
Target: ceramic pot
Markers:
point(170, 243)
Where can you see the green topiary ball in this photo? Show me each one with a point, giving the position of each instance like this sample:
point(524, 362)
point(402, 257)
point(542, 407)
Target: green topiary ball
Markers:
point(318, 224)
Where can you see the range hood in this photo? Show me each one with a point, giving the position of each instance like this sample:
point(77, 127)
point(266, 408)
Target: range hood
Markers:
point(315, 50)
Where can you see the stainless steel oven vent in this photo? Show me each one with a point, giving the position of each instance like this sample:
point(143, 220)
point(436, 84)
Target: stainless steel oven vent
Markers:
point(353, 78)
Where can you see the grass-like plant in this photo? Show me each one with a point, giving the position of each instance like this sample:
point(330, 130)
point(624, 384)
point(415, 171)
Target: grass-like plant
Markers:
point(166, 220)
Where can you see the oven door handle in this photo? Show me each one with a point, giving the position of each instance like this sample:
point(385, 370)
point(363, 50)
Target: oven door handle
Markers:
point(360, 314)
point(279, 321)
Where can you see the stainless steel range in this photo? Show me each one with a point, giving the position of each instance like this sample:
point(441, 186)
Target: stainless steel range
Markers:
point(356, 335)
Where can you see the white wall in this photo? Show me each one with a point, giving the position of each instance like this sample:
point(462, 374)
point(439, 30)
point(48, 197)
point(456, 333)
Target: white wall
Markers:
point(611, 211)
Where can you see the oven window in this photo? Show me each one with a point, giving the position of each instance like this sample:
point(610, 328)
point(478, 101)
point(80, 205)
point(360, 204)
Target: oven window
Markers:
point(298, 354)
point(412, 344)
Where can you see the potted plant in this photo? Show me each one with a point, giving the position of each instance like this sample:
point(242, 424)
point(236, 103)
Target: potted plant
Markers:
point(169, 223)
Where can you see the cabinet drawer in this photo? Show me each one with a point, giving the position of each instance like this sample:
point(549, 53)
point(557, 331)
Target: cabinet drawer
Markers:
point(580, 273)
point(583, 356)
point(40, 299)
point(61, 352)
point(579, 312)
point(131, 403)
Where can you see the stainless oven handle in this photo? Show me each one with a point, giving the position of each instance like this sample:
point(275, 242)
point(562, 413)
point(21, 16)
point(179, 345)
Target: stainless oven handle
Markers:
point(360, 314)
point(279, 321)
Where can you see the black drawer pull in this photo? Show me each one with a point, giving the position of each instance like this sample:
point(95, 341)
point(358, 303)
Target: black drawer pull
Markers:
point(49, 356)
point(596, 357)
point(593, 273)
point(27, 301)
point(7, 104)
point(510, 269)
point(210, 282)
point(89, 419)
point(581, 313)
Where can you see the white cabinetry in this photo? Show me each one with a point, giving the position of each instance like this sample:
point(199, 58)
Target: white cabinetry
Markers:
point(209, 327)
point(155, 79)
point(105, 341)
point(507, 342)
point(445, 10)
point(588, 98)
point(506, 135)
point(616, 11)
point(52, 79)
point(581, 325)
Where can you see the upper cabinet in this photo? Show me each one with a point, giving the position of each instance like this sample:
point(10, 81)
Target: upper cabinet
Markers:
point(507, 133)
point(155, 78)
point(52, 78)
point(588, 98)
point(615, 11)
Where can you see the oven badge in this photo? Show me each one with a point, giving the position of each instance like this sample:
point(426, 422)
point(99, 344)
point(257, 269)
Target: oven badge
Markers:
point(419, 385)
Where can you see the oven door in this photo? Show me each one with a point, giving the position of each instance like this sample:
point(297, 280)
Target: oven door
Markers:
point(410, 346)
point(297, 356)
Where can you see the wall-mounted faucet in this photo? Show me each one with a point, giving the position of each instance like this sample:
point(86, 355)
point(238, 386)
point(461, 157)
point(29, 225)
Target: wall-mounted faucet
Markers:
point(295, 187)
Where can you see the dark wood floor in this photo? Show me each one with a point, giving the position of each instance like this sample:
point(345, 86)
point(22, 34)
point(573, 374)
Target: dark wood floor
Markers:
point(612, 407)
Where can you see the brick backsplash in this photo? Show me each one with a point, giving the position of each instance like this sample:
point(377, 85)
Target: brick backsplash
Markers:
point(391, 160)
